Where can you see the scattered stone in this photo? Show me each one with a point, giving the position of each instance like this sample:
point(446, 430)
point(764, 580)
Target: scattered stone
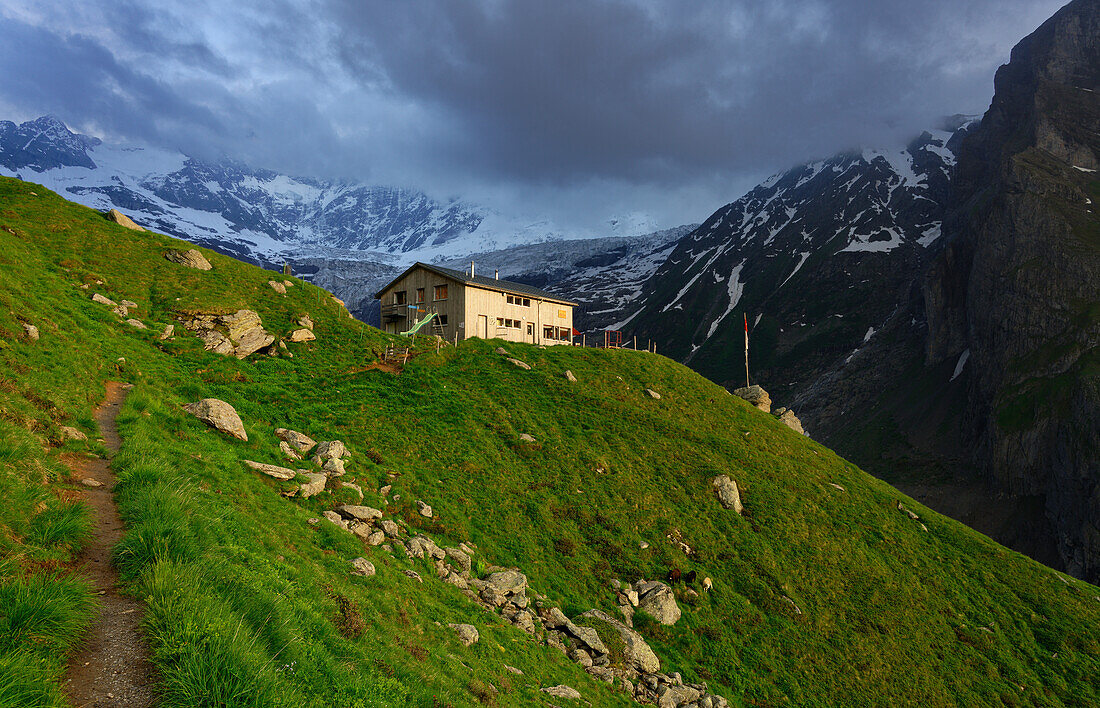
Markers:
point(219, 415)
point(755, 395)
point(336, 519)
point(518, 363)
point(302, 335)
point(653, 394)
point(191, 258)
point(657, 600)
point(788, 418)
point(71, 433)
point(907, 512)
point(331, 449)
point(460, 558)
point(362, 567)
point(836, 486)
point(511, 582)
point(277, 287)
point(562, 691)
point(525, 437)
point(728, 495)
point(569, 376)
point(588, 637)
point(423, 509)
point(390, 528)
point(315, 486)
point(503, 352)
point(301, 443)
point(30, 332)
point(385, 490)
point(271, 470)
point(334, 466)
point(467, 633)
point(348, 485)
point(581, 657)
point(128, 303)
point(375, 538)
point(138, 324)
point(288, 452)
point(121, 312)
point(167, 333)
point(304, 320)
point(96, 297)
point(245, 330)
point(643, 545)
point(636, 651)
point(414, 575)
point(89, 482)
point(122, 220)
point(288, 284)
point(513, 670)
point(362, 513)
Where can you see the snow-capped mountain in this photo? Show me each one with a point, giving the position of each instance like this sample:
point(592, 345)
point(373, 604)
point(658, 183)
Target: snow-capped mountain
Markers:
point(254, 214)
point(815, 256)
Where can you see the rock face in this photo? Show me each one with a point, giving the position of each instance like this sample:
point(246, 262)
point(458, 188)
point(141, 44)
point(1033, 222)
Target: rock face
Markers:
point(657, 600)
point(238, 334)
point(191, 258)
point(218, 415)
point(122, 220)
point(728, 494)
point(755, 395)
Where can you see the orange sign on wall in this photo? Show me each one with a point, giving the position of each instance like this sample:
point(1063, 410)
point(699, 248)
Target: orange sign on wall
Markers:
point(562, 314)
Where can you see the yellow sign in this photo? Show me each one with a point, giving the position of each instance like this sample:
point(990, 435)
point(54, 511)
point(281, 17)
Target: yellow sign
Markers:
point(562, 314)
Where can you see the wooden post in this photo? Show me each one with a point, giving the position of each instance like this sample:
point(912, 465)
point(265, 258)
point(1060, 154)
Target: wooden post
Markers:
point(635, 342)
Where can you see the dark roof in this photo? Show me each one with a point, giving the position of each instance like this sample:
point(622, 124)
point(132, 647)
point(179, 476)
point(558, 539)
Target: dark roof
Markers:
point(504, 286)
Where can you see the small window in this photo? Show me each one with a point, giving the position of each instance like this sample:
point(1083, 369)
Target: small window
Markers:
point(399, 297)
point(530, 329)
point(500, 322)
point(563, 334)
point(420, 295)
point(548, 332)
point(526, 302)
point(440, 292)
point(443, 320)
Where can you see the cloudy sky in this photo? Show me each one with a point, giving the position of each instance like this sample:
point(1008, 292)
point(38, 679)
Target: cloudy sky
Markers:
point(581, 110)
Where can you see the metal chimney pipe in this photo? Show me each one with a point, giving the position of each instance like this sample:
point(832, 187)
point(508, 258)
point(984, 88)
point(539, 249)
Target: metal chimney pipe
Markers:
point(496, 274)
point(471, 269)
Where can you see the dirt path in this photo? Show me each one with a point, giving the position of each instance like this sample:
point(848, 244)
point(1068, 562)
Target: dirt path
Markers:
point(112, 668)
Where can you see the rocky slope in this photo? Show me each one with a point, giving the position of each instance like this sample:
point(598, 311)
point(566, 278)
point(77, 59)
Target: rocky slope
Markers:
point(996, 371)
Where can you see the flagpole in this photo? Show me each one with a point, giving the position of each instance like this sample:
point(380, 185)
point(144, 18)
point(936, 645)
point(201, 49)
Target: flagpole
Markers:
point(746, 349)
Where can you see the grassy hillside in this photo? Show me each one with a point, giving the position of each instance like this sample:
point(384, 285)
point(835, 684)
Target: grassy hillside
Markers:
point(823, 594)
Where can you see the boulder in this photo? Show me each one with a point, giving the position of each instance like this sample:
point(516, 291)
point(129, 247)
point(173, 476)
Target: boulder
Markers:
point(587, 636)
point(219, 415)
point(300, 442)
point(277, 287)
point(502, 351)
point(511, 582)
point(527, 438)
point(137, 324)
point(246, 332)
point(191, 258)
point(305, 321)
point(214, 341)
point(271, 470)
point(459, 557)
point(96, 297)
point(362, 566)
point(30, 332)
point(354, 487)
point(519, 364)
point(167, 333)
point(788, 418)
point(316, 485)
point(467, 633)
point(362, 513)
point(581, 657)
point(334, 466)
point(375, 538)
point(390, 528)
point(679, 696)
point(302, 335)
point(636, 652)
point(569, 376)
point(121, 311)
point(122, 220)
point(755, 395)
point(336, 519)
point(128, 303)
point(653, 394)
point(331, 449)
point(70, 433)
point(562, 691)
point(657, 600)
point(288, 452)
point(728, 495)
point(422, 546)
point(423, 509)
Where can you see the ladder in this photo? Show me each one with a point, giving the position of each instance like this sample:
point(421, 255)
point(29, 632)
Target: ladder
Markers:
point(437, 327)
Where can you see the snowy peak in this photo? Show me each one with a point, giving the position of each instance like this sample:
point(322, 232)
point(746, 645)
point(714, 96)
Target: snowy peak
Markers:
point(42, 144)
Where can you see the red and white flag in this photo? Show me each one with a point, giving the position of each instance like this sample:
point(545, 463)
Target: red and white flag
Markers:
point(746, 333)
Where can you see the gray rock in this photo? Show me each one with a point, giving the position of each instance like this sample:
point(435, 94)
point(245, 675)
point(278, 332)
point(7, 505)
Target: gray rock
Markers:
point(96, 297)
point(136, 324)
point(334, 466)
point(302, 335)
point(502, 351)
point(304, 320)
point(562, 691)
point(219, 415)
point(603, 673)
point(361, 513)
point(362, 566)
point(70, 433)
point(375, 538)
point(513, 670)
point(467, 633)
point(390, 528)
point(587, 636)
point(300, 442)
point(169, 330)
point(385, 491)
point(423, 509)
point(331, 450)
point(657, 600)
point(122, 220)
point(314, 486)
point(636, 651)
point(245, 330)
point(459, 557)
point(275, 471)
point(653, 394)
point(336, 519)
point(728, 495)
point(191, 258)
point(519, 364)
point(569, 376)
point(457, 580)
point(581, 657)
point(555, 618)
point(89, 482)
point(755, 395)
point(511, 582)
point(30, 332)
point(355, 487)
point(527, 438)
point(277, 287)
point(788, 418)
point(128, 303)
point(288, 452)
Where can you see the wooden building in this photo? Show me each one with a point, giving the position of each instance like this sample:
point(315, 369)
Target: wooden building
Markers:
point(471, 305)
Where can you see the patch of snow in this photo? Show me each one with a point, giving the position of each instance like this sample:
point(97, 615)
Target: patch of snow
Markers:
point(930, 235)
point(962, 364)
point(734, 288)
point(801, 259)
point(870, 333)
point(1083, 169)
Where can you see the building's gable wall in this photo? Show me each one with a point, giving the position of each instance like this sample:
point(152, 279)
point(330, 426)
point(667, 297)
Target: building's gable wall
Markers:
point(453, 307)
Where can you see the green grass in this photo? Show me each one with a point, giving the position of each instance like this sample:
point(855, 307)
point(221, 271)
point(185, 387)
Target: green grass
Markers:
point(251, 605)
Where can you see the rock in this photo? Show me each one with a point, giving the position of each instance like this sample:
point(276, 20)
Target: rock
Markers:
point(788, 418)
point(728, 495)
point(678, 696)
point(457, 580)
point(316, 485)
point(335, 467)
point(581, 657)
point(460, 558)
point(89, 482)
point(305, 321)
point(467, 633)
point(643, 545)
point(362, 566)
point(603, 673)
point(128, 303)
point(423, 509)
point(657, 600)
point(277, 287)
point(502, 351)
point(375, 538)
point(246, 332)
point(167, 333)
point(511, 582)
point(288, 452)
point(70, 433)
point(122, 220)
point(191, 258)
point(302, 335)
point(519, 364)
point(755, 395)
point(336, 519)
point(569, 376)
point(555, 618)
point(513, 670)
point(390, 528)
point(632, 597)
point(562, 691)
point(636, 651)
point(96, 297)
point(138, 324)
point(420, 546)
point(385, 491)
point(219, 415)
point(331, 449)
point(271, 470)
point(653, 394)
point(348, 485)
point(362, 513)
point(413, 574)
point(214, 341)
point(525, 437)
point(121, 311)
point(301, 443)
point(587, 636)
point(30, 332)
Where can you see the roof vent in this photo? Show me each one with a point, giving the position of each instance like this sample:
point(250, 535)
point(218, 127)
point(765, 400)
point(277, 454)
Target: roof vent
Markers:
point(471, 269)
point(496, 274)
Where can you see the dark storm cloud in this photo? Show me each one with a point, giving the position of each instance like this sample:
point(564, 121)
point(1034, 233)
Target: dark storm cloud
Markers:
point(572, 105)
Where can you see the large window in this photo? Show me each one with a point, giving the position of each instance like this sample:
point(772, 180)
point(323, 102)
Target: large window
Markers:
point(440, 292)
point(420, 295)
point(399, 297)
point(517, 300)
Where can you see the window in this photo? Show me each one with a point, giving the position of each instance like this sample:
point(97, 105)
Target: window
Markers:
point(420, 295)
point(510, 324)
point(517, 300)
point(440, 292)
point(530, 329)
point(399, 297)
point(563, 334)
point(547, 332)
